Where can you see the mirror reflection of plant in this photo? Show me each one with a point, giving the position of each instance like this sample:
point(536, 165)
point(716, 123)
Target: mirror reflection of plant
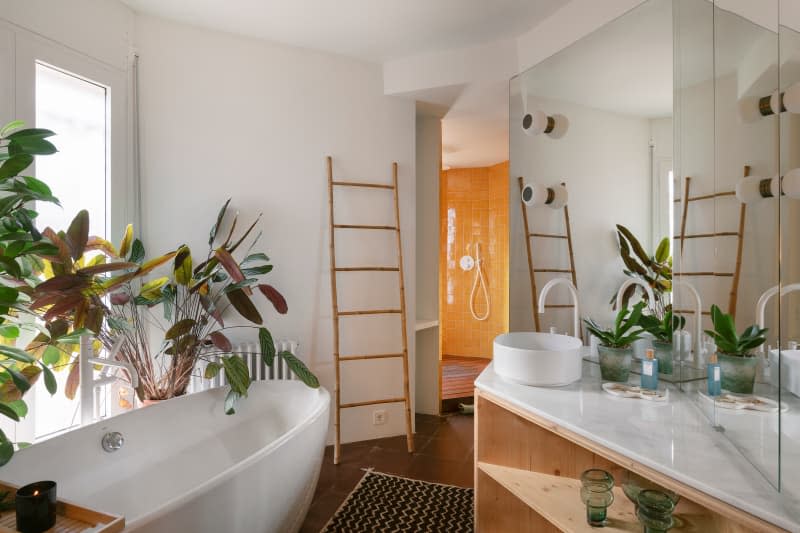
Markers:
point(655, 270)
point(21, 244)
point(662, 329)
point(726, 339)
point(625, 331)
point(193, 299)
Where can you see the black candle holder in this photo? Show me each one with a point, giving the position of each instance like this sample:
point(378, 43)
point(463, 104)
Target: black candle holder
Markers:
point(36, 507)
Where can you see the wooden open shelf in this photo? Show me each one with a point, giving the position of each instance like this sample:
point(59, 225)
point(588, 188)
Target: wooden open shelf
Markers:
point(527, 480)
point(70, 518)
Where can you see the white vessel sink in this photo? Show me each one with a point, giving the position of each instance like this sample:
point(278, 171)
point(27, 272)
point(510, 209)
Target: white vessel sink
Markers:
point(790, 370)
point(538, 359)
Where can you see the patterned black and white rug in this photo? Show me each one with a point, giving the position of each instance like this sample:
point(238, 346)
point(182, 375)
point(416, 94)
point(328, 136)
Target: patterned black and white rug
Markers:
point(385, 503)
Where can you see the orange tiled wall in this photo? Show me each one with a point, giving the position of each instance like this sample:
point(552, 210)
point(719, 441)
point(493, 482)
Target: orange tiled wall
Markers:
point(474, 208)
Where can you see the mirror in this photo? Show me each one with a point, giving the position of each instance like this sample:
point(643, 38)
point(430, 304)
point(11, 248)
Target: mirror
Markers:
point(608, 99)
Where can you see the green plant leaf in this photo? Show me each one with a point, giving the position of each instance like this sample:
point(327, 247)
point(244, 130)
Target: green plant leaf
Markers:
point(230, 402)
point(267, 346)
point(50, 382)
point(212, 370)
point(51, 355)
point(244, 305)
point(14, 165)
point(137, 252)
point(215, 228)
point(662, 252)
point(16, 354)
point(300, 369)
point(237, 373)
point(183, 265)
point(19, 379)
point(182, 327)
point(78, 234)
point(8, 411)
point(11, 126)
point(19, 407)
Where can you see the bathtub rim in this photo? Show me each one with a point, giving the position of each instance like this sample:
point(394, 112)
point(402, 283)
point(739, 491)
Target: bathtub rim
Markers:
point(323, 405)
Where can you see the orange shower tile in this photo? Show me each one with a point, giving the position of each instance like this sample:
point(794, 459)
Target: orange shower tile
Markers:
point(474, 207)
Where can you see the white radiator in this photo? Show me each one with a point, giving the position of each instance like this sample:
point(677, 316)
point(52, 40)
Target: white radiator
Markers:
point(251, 353)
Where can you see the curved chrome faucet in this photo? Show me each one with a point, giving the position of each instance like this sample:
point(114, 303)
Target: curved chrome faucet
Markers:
point(698, 316)
point(761, 306)
point(635, 281)
point(573, 291)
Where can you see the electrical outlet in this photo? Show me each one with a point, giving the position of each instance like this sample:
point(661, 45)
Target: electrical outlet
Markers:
point(379, 417)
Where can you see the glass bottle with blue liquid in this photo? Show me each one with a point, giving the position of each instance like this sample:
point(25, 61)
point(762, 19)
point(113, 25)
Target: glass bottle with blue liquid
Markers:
point(650, 370)
point(714, 376)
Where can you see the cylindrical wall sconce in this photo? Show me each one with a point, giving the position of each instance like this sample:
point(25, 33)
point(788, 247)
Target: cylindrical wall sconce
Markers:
point(753, 108)
point(755, 188)
point(537, 195)
point(538, 122)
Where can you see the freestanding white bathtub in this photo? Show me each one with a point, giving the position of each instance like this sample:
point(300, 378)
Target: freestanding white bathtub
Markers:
point(185, 466)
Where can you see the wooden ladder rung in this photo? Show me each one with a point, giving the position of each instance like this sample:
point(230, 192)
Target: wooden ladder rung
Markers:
point(547, 235)
point(559, 270)
point(690, 312)
point(371, 402)
point(559, 306)
point(362, 184)
point(707, 235)
point(363, 226)
point(707, 196)
point(719, 274)
point(367, 269)
point(370, 312)
point(366, 357)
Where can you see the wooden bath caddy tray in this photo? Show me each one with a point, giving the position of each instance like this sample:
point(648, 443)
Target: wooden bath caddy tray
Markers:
point(70, 518)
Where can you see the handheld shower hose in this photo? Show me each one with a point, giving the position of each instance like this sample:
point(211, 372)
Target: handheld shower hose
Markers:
point(479, 281)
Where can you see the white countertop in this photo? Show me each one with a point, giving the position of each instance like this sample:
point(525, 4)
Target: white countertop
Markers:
point(673, 438)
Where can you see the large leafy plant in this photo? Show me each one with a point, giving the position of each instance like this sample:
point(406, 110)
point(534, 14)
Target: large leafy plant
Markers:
point(655, 270)
point(625, 331)
point(662, 329)
point(20, 247)
point(193, 297)
point(726, 339)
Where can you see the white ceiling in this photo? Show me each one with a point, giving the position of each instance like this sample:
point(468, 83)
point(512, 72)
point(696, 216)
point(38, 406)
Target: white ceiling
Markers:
point(373, 30)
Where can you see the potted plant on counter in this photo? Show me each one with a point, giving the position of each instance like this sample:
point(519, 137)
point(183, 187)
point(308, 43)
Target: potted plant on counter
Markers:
point(735, 352)
point(655, 270)
point(615, 349)
point(663, 332)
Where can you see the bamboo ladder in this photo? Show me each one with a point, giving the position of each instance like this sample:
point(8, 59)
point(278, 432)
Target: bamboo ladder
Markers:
point(338, 358)
point(739, 234)
point(533, 271)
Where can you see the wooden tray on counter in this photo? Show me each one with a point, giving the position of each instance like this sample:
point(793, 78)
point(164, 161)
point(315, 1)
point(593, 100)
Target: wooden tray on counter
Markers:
point(70, 518)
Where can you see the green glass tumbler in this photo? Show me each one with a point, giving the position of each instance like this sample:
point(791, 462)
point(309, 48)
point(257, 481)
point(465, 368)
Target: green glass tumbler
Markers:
point(596, 493)
point(655, 511)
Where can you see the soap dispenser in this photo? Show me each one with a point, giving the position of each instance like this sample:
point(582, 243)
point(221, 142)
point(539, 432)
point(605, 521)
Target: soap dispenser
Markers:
point(714, 376)
point(650, 370)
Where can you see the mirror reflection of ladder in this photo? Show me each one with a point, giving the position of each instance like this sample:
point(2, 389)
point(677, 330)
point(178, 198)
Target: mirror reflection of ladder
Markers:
point(735, 275)
point(337, 314)
point(532, 270)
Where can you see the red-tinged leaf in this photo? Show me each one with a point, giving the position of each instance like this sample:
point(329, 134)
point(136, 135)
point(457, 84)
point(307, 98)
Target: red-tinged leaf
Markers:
point(65, 306)
point(211, 309)
point(73, 380)
point(47, 299)
point(244, 305)
point(63, 283)
point(98, 243)
point(81, 312)
point(120, 298)
point(63, 250)
point(229, 264)
point(277, 299)
point(94, 319)
point(221, 341)
point(107, 267)
point(78, 234)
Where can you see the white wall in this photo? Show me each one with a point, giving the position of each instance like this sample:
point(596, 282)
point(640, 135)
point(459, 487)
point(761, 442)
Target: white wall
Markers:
point(429, 158)
point(604, 161)
point(224, 116)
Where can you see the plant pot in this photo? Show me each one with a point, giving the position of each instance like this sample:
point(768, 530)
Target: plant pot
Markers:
point(738, 373)
point(663, 352)
point(146, 403)
point(615, 363)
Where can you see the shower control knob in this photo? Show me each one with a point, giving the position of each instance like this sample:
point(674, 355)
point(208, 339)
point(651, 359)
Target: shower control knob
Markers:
point(467, 263)
point(113, 441)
